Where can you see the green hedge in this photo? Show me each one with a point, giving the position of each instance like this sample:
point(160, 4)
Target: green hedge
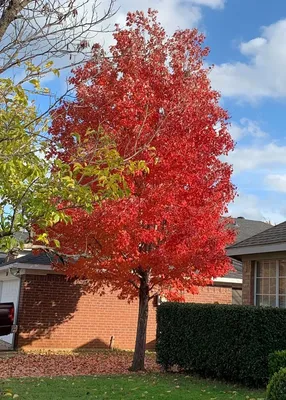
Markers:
point(277, 360)
point(276, 389)
point(220, 341)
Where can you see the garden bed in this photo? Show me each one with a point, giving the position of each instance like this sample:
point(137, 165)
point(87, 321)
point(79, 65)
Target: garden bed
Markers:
point(70, 364)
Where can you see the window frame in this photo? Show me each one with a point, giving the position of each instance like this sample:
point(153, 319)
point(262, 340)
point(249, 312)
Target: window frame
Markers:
point(277, 277)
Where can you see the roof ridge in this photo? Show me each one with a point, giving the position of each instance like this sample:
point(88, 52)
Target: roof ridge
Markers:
point(252, 220)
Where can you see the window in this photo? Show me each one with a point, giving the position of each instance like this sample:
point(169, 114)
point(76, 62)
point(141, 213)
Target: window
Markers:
point(270, 283)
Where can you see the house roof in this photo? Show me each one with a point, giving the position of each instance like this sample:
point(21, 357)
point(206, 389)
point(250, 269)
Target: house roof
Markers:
point(246, 228)
point(41, 259)
point(237, 273)
point(273, 235)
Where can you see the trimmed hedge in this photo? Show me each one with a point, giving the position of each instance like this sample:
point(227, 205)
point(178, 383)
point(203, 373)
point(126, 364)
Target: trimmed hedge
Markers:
point(276, 389)
point(220, 341)
point(277, 360)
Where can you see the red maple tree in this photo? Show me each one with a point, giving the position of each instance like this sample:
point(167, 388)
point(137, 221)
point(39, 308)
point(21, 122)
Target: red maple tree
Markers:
point(151, 94)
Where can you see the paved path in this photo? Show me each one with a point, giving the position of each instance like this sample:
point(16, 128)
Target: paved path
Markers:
point(5, 346)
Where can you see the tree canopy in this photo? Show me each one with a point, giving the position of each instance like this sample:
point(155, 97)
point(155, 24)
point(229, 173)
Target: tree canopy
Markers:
point(36, 188)
point(153, 97)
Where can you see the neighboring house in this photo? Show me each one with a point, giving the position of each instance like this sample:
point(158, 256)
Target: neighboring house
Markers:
point(263, 257)
point(244, 229)
point(53, 312)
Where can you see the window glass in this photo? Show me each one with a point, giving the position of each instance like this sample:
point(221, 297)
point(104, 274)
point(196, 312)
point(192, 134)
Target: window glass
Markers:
point(272, 301)
point(272, 269)
point(282, 301)
point(258, 300)
point(282, 268)
point(272, 286)
point(282, 286)
point(259, 269)
point(266, 284)
point(265, 300)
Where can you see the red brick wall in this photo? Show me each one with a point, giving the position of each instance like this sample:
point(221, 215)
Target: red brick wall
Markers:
point(55, 314)
point(211, 294)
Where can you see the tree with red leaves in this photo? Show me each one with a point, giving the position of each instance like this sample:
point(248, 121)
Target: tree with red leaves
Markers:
point(153, 97)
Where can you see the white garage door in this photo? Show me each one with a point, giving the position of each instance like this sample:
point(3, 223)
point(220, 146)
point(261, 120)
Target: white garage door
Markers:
point(9, 292)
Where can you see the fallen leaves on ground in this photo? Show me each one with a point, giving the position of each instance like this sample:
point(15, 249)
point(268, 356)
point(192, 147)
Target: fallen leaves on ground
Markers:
point(35, 365)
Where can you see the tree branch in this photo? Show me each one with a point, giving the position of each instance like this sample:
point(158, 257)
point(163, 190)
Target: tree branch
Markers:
point(10, 14)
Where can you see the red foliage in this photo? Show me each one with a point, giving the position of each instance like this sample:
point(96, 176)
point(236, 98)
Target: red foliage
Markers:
point(153, 96)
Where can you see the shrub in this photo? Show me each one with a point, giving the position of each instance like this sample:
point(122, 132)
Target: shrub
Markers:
point(276, 389)
point(220, 341)
point(277, 360)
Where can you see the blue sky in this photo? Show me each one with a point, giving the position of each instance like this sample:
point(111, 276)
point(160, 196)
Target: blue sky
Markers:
point(247, 39)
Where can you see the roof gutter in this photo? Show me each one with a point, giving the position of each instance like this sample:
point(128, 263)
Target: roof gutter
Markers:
point(228, 280)
point(247, 250)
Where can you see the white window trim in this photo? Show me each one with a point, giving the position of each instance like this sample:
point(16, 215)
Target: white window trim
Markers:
point(277, 284)
point(255, 283)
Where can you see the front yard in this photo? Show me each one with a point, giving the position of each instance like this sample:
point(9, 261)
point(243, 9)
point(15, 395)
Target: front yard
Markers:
point(127, 387)
point(104, 375)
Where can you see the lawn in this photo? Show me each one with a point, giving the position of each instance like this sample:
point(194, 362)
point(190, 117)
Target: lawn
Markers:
point(129, 387)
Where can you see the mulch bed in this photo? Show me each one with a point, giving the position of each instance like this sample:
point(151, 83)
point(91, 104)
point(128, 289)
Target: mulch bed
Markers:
point(51, 364)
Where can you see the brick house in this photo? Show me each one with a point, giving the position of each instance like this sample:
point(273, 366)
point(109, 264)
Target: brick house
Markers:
point(263, 257)
point(55, 313)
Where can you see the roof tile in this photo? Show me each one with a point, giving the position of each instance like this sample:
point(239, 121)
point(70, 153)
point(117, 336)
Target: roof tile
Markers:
point(274, 234)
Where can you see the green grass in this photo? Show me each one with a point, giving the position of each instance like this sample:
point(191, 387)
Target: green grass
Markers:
point(133, 387)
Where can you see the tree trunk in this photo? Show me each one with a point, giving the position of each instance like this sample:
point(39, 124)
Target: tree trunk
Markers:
point(138, 363)
point(10, 13)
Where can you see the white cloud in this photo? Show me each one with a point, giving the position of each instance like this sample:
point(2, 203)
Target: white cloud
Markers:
point(244, 128)
point(274, 216)
point(264, 73)
point(210, 3)
point(276, 182)
point(251, 158)
point(253, 207)
point(173, 14)
point(247, 206)
point(259, 174)
point(253, 46)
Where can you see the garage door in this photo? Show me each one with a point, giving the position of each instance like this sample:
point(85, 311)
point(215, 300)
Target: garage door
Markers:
point(9, 292)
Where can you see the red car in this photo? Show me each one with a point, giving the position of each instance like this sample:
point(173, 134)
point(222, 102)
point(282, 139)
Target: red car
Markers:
point(7, 312)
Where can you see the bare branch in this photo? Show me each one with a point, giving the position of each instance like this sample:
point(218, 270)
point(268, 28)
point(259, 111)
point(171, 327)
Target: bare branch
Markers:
point(41, 30)
point(9, 14)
